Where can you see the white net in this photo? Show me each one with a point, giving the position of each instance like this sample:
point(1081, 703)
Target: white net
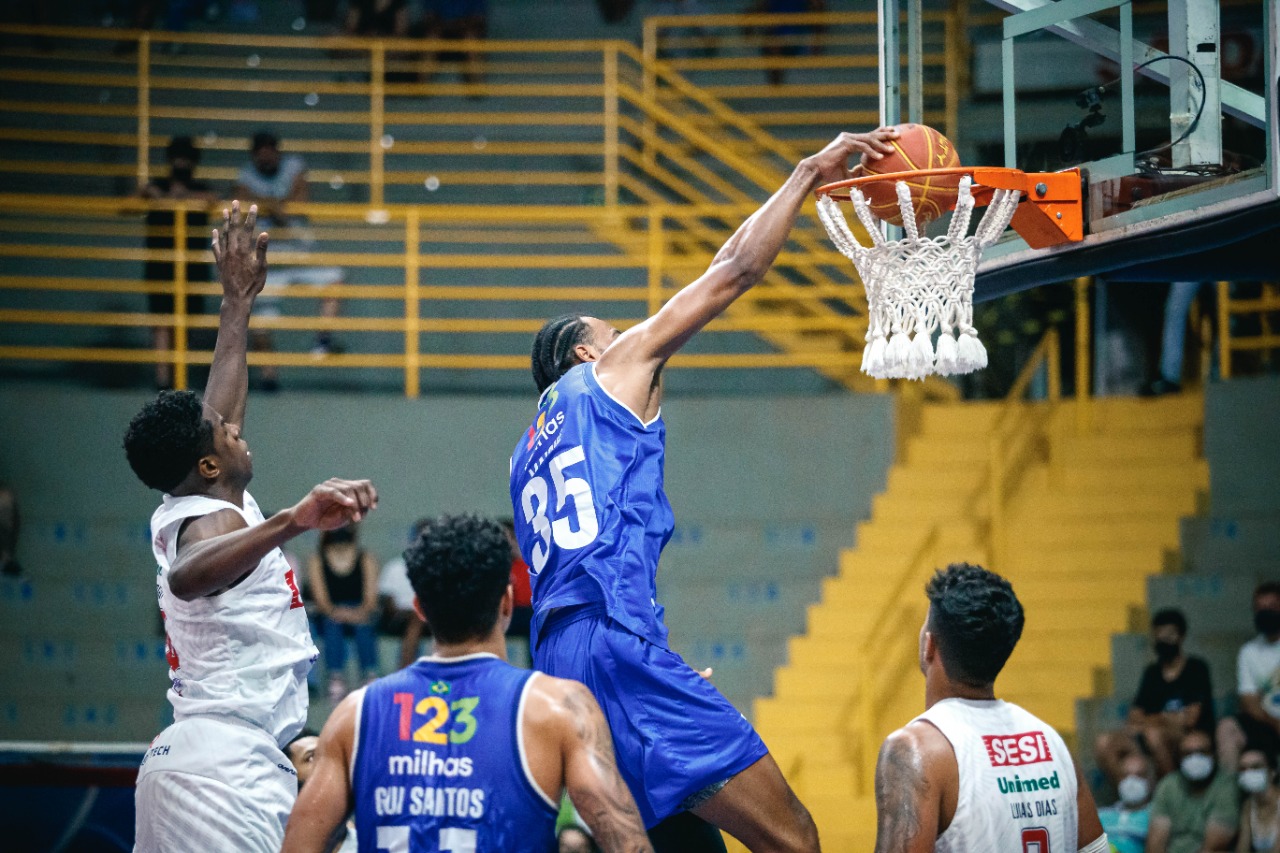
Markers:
point(919, 285)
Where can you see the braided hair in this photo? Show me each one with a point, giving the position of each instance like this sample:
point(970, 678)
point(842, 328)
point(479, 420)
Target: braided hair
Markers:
point(553, 348)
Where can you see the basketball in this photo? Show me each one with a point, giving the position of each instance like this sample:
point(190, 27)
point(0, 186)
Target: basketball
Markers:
point(918, 146)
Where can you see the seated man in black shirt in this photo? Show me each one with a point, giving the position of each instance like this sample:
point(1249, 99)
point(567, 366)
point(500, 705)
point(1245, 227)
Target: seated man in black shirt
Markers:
point(1174, 697)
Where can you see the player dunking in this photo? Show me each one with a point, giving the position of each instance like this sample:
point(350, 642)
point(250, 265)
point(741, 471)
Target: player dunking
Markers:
point(592, 519)
point(237, 641)
point(462, 752)
point(974, 773)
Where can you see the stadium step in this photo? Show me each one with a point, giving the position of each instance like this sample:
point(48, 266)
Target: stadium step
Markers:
point(1086, 527)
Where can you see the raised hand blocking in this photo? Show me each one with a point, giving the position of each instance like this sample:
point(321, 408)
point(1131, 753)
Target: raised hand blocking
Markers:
point(241, 258)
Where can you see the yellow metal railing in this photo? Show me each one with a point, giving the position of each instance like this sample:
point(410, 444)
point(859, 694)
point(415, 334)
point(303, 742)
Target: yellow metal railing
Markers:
point(661, 181)
point(1018, 439)
point(410, 296)
point(1263, 309)
point(799, 76)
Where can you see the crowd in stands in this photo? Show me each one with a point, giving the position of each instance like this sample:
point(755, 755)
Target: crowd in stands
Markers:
point(1185, 781)
point(351, 600)
point(274, 182)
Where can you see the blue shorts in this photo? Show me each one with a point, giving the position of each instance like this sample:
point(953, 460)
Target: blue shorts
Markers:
point(673, 732)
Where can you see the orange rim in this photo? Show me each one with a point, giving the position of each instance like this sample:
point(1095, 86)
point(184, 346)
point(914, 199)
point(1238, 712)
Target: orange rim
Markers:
point(1050, 212)
point(984, 177)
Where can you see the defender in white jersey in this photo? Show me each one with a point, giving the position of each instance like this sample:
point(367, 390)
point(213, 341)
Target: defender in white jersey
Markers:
point(975, 774)
point(236, 636)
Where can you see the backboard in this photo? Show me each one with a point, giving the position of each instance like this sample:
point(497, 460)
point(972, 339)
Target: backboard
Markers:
point(1170, 115)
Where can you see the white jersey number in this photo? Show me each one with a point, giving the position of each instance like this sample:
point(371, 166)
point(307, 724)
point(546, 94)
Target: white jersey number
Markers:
point(395, 839)
point(535, 500)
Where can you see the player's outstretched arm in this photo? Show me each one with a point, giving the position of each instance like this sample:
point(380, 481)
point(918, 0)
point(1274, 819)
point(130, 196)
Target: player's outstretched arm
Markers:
point(217, 550)
point(629, 366)
point(591, 773)
point(324, 803)
point(908, 792)
point(242, 268)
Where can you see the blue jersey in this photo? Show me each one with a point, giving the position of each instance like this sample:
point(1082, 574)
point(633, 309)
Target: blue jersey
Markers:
point(591, 515)
point(439, 762)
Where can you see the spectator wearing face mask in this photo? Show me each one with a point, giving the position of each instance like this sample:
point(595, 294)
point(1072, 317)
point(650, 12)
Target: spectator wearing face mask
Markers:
point(1126, 822)
point(1260, 811)
point(1174, 696)
point(1196, 808)
point(1257, 725)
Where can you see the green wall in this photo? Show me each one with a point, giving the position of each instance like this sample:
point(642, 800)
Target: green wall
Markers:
point(766, 491)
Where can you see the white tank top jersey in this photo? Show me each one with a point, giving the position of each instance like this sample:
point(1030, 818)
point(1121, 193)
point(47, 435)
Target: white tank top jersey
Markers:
point(1017, 780)
point(244, 653)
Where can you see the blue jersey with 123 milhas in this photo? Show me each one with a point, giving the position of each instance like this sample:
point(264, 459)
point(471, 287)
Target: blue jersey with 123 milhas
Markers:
point(439, 764)
point(591, 514)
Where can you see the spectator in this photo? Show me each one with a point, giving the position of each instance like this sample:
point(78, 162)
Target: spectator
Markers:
point(1260, 811)
point(456, 20)
point(344, 580)
point(378, 18)
point(275, 182)
point(1196, 808)
point(1257, 725)
point(397, 602)
point(518, 650)
point(181, 185)
point(785, 39)
point(1173, 338)
point(9, 523)
point(1126, 822)
point(1174, 696)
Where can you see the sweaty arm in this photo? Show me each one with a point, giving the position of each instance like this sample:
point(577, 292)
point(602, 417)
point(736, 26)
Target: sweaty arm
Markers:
point(629, 368)
point(325, 801)
point(241, 259)
point(591, 772)
point(915, 767)
point(217, 550)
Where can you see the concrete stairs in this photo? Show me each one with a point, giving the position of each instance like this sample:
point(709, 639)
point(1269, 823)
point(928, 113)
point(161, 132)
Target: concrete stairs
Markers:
point(1086, 524)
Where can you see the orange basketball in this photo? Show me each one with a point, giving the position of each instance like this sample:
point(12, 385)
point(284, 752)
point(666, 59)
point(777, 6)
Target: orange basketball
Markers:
point(918, 146)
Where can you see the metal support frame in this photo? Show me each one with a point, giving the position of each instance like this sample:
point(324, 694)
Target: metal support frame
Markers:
point(1046, 17)
point(1104, 41)
point(1195, 35)
point(887, 31)
point(915, 61)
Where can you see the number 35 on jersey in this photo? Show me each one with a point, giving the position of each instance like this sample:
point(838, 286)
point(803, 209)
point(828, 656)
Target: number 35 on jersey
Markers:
point(562, 512)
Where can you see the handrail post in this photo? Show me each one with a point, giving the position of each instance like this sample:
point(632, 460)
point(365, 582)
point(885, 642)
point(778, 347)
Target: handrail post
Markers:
point(377, 120)
point(951, 72)
point(180, 299)
point(144, 108)
point(412, 305)
point(866, 715)
point(1053, 366)
point(995, 478)
point(1083, 348)
point(611, 127)
point(649, 86)
point(1224, 330)
point(656, 247)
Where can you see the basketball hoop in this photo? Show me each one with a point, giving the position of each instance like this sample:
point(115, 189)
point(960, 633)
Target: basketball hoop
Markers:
point(919, 285)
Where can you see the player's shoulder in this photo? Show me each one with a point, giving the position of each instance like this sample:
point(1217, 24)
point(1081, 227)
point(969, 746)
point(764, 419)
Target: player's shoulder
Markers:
point(919, 740)
point(555, 703)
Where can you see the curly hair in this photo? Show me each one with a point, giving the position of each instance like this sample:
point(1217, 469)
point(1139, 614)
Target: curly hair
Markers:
point(166, 439)
point(459, 568)
point(977, 620)
point(553, 348)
